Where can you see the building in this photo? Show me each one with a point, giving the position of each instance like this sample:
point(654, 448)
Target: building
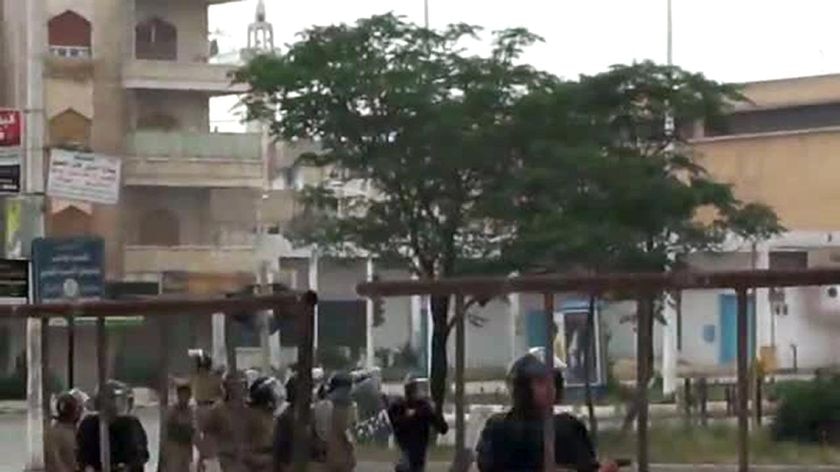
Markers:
point(134, 79)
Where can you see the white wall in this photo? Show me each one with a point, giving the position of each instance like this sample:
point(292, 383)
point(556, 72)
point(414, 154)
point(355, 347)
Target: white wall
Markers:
point(62, 94)
point(82, 7)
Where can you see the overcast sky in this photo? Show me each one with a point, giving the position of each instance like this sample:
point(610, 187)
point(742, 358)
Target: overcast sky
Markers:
point(728, 40)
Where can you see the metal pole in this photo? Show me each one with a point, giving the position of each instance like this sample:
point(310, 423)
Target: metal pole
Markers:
point(33, 184)
point(743, 380)
point(313, 285)
point(163, 387)
point(548, 420)
point(45, 378)
point(670, 35)
point(369, 347)
point(306, 348)
point(218, 348)
point(644, 349)
point(105, 395)
point(426, 13)
point(460, 407)
point(71, 351)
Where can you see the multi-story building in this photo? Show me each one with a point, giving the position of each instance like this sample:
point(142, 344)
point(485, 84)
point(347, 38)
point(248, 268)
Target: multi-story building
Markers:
point(134, 79)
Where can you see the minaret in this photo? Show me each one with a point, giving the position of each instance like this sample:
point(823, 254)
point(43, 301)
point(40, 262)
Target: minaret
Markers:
point(260, 32)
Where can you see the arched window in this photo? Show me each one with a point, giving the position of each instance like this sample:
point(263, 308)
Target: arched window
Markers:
point(70, 128)
point(70, 221)
point(159, 228)
point(156, 39)
point(69, 35)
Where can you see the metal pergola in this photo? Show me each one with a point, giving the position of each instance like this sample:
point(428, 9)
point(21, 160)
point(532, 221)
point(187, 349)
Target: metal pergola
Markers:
point(645, 286)
point(298, 304)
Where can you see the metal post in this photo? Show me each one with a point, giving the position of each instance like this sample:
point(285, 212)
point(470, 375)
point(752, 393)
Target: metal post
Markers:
point(230, 347)
point(45, 381)
point(460, 407)
point(163, 386)
point(313, 285)
point(548, 420)
point(743, 381)
point(34, 395)
point(644, 353)
point(370, 355)
point(105, 395)
point(71, 351)
point(306, 348)
point(219, 351)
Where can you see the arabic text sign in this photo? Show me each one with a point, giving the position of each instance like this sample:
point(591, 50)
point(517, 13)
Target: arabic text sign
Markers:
point(68, 268)
point(84, 177)
point(11, 150)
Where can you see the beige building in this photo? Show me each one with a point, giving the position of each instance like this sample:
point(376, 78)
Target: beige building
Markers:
point(134, 79)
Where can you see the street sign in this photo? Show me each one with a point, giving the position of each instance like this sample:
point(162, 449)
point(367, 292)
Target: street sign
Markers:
point(68, 269)
point(11, 150)
point(84, 177)
point(14, 279)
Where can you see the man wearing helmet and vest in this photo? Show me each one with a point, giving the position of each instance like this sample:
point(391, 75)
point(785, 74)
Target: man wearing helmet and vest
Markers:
point(61, 437)
point(128, 442)
point(333, 417)
point(263, 398)
point(225, 429)
point(180, 430)
point(413, 419)
point(513, 441)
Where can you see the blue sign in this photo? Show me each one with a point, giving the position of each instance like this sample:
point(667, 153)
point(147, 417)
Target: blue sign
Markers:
point(68, 268)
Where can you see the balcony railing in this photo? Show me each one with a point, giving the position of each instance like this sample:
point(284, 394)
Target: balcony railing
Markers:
point(71, 52)
point(162, 144)
point(179, 74)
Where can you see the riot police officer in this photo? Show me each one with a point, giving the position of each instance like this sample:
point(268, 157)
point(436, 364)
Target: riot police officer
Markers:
point(128, 442)
point(413, 419)
point(263, 398)
point(514, 440)
point(225, 428)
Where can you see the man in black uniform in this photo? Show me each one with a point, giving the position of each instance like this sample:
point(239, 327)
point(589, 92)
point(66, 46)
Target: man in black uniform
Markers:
point(513, 441)
point(413, 419)
point(128, 442)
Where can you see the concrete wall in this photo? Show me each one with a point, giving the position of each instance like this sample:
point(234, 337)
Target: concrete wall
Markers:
point(82, 7)
point(62, 95)
point(772, 169)
point(190, 18)
point(189, 110)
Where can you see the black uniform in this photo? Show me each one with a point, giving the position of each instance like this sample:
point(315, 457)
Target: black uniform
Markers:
point(515, 444)
point(413, 433)
point(128, 442)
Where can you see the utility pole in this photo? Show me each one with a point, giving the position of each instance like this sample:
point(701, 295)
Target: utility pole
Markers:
point(426, 13)
point(33, 185)
point(670, 350)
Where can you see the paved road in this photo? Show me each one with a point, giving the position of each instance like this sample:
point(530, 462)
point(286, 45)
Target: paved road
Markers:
point(13, 451)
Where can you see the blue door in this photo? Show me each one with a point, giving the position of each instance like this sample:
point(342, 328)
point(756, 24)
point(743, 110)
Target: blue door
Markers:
point(728, 327)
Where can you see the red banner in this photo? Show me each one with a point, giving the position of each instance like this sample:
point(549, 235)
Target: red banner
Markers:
point(10, 128)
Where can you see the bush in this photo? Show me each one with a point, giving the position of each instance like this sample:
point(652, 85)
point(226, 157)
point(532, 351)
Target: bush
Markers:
point(808, 411)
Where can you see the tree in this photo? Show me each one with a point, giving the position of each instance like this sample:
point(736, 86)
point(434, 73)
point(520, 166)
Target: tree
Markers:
point(618, 187)
point(406, 112)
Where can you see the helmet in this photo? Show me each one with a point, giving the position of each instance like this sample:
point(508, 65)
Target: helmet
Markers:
point(120, 394)
point(415, 385)
point(340, 387)
point(67, 407)
point(523, 372)
point(203, 360)
point(234, 380)
point(264, 392)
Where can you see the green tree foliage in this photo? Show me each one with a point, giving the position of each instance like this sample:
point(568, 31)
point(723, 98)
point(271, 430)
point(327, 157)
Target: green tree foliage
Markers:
point(465, 162)
point(409, 112)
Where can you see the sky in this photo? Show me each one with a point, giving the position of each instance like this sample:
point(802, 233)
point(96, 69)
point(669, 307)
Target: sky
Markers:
point(728, 40)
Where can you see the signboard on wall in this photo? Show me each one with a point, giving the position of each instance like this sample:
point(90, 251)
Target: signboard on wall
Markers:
point(11, 150)
point(84, 177)
point(68, 269)
point(14, 279)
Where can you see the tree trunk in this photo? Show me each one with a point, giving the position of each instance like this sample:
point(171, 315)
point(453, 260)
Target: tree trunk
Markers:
point(588, 361)
point(440, 319)
point(645, 312)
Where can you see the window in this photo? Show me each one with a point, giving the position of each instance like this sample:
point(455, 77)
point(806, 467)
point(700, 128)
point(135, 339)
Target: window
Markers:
point(156, 39)
point(69, 36)
point(782, 119)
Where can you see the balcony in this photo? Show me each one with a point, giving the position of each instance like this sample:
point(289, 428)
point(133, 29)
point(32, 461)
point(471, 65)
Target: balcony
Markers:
point(184, 159)
point(147, 74)
point(206, 259)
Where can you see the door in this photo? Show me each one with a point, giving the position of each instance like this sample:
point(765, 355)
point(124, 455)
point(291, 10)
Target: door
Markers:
point(728, 328)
